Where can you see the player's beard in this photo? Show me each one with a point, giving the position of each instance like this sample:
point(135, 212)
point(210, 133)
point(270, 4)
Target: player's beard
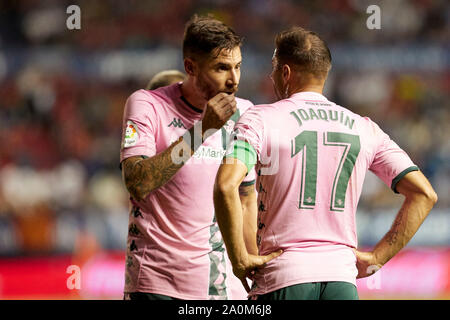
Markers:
point(209, 91)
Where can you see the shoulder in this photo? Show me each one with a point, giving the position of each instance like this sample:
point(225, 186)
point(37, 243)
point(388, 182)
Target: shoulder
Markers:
point(150, 100)
point(371, 126)
point(256, 114)
point(243, 104)
point(142, 104)
point(148, 96)
point(364, 123)
point(141, 96)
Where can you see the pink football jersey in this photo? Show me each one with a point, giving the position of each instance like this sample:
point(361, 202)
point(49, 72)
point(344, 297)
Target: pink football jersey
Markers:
point(312, 159)
point(174, 246)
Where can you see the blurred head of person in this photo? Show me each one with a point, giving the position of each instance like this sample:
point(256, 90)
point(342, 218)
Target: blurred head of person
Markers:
point(212, 57)
point(165, 78)
point(301, 62)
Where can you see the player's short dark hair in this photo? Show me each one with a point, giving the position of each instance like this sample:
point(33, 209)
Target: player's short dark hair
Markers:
point(305, 49)
point(205, 35)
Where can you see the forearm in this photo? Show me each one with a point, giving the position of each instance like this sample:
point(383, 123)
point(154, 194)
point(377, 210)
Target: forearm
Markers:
point(142, 176)
point(408, 220)
point(250, 217)
point(230, 220)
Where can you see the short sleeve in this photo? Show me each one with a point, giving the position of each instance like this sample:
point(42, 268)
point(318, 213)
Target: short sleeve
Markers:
point(250, 178)
point(250, 128)
point(390, 162)
point(138, 126)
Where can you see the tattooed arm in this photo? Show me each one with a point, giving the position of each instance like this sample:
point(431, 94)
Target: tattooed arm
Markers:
point(247, 196)
point(419, 200)
point(142, 176)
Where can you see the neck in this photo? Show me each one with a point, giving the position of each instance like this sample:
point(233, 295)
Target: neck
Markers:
point(306, 83)
point(192, 94)
point(310, 87)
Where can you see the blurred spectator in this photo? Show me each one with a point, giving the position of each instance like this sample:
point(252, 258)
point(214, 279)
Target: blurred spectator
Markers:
point(62, 94)
point(165, 78)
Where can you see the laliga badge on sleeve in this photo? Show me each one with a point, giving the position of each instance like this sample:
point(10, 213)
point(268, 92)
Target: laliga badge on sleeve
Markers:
point(131, 135)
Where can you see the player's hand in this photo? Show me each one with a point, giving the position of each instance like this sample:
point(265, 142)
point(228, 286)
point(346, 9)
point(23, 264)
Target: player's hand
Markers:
point(247, 270)
point(219, 109)
point(366, 264)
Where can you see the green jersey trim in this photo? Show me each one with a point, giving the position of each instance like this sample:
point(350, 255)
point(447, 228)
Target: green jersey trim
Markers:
point(248, 183)
point(401, 175)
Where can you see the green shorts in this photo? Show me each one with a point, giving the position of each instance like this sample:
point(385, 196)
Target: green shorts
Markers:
point(146, 296)
point(333, 290)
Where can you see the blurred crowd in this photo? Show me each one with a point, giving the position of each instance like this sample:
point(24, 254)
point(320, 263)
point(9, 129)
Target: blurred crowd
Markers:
point(60, 119)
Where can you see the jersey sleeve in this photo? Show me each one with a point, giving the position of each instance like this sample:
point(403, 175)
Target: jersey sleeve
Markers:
point(248, 138)
point(250, 178)
point(250, 128)
point(139, 126)
point(390, 162)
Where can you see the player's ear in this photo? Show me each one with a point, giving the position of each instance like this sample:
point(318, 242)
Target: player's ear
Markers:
point(286, 72)
point(189, 66)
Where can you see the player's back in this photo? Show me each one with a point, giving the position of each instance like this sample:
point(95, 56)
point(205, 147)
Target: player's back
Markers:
point(313, 157)
point(312, 193)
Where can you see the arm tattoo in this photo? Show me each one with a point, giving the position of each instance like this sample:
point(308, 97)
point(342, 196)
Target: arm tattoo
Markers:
point(391, 236)
point(142, 176)
point(245, 191)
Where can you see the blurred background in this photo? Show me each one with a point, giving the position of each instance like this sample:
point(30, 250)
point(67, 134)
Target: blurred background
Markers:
point(62, 94)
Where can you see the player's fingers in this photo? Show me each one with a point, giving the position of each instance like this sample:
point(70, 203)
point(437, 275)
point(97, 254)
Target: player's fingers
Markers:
point(222, 99)
point(233, 106)
point(226, 98)
point(264, 259)
point(273, 255)
point(218, 97)
point(230, 107)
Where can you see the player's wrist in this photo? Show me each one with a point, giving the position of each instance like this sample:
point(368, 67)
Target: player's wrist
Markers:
point(240, 260)
point(379, 258)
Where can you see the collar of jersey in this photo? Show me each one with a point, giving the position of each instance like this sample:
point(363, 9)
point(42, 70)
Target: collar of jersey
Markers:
point(184, 101)
point(309, 95)
point(190, 105)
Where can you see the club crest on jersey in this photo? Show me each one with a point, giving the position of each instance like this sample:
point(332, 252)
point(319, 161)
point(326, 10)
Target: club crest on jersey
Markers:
point(131, 135)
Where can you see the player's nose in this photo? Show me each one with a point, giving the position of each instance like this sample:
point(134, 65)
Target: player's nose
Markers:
point(233, 77)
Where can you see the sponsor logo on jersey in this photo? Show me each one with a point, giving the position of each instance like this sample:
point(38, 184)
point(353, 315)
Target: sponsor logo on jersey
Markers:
point(209, 153)
point(177, 123)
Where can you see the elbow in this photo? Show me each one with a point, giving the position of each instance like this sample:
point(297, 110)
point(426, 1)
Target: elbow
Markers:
point(432, 197)
point(429, 196)
point(137, 191)
point(222, 187)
